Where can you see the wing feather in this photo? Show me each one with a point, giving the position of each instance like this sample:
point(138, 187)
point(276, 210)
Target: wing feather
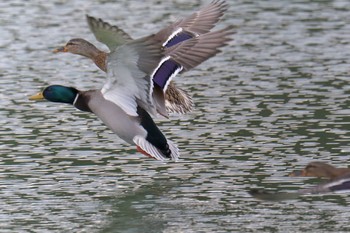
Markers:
point(197, 23)
point(128, 75)
point(110, 35)
point(193, 52)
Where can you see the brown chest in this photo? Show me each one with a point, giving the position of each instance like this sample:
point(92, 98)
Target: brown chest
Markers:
point(100, 61)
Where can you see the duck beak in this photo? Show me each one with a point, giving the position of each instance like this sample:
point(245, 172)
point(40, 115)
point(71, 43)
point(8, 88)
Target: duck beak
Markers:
point(37, 96)
point(62, 49)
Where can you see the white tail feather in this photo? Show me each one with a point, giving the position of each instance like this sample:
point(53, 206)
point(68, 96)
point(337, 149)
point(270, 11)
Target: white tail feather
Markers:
point(153, 151)
point(175, 153)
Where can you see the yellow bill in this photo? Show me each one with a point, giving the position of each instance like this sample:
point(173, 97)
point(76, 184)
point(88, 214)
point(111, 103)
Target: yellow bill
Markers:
point(37, 96)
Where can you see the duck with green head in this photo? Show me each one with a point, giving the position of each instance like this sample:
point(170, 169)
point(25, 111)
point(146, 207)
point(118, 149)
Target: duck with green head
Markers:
point(132, 129)
point(127, 100)
point(200, 22)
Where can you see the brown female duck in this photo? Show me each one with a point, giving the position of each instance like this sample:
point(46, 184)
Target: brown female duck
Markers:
point(321, 170)
point(339, 180)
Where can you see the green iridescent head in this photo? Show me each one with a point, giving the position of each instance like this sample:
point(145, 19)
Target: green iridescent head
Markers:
point(57, 93)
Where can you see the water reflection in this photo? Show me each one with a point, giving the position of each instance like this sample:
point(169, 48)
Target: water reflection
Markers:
point(142, 204)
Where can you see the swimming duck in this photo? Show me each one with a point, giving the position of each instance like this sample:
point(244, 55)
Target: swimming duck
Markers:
point(200, 22)
point(321, 170)
point(339, 180)
point(128, 98)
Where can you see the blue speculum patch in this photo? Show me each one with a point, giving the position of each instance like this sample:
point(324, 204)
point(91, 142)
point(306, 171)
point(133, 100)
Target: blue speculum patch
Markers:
point(169, 67)
point(178, 38)
point(164, 72)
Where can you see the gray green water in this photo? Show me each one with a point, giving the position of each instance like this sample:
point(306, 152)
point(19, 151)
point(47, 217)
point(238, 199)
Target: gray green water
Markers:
point(275, 99)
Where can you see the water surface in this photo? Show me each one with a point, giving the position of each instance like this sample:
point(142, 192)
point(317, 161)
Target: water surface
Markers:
point(275, 99)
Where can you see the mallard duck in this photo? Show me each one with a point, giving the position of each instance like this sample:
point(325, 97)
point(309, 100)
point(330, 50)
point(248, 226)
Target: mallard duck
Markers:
point(322, 170)
point(128, 97)
point(200, 22)
point(339, 180)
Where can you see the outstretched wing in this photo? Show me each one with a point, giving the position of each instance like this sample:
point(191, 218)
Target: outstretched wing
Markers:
point(197, 23)
point(128, 81)
point(193, 52)
point(110, 35)
point(190, 53)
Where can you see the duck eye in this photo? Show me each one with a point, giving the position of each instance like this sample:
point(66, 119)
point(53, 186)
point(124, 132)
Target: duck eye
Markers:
point(69, 43)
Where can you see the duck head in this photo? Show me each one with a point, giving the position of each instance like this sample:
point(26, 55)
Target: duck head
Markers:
point(57, 93)
point(79, 46)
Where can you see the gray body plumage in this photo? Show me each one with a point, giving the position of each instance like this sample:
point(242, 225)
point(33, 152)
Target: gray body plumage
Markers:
point(125, 126)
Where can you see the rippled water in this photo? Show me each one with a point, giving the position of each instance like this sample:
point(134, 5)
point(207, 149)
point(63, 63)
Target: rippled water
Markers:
point(275, 99)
